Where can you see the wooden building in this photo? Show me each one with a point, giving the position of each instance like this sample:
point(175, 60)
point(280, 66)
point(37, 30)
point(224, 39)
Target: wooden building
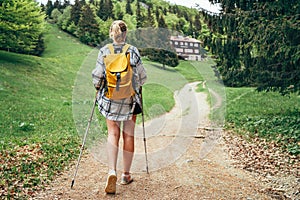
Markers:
point(188, 48)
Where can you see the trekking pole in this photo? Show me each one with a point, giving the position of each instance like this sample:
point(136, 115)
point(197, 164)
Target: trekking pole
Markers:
point(144, 134)
point(84, 138)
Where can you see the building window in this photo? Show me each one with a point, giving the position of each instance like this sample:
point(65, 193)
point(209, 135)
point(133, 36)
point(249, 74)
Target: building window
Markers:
point(188, 50)
point(196, 45)
point(197, 51)
point(176, 43)
point(181, 43)
point(179, 50)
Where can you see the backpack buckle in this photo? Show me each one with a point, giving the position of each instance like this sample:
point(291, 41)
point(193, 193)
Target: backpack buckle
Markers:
point(118, 75)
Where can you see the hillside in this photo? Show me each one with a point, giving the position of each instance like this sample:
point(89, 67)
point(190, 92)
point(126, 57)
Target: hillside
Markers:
point(38, 137)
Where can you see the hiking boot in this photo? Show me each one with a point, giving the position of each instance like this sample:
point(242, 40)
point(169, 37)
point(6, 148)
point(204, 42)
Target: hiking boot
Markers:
point(111, 183)
point(126, 179)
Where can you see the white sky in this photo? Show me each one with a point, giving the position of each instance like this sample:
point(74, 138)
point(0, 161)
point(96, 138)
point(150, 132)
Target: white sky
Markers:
point(191, 3)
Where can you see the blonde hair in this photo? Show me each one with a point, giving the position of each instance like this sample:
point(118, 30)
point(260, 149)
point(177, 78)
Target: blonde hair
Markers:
point(117, 31)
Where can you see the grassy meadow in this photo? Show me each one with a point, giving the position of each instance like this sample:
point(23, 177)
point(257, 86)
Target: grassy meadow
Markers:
point(265, 115)
point(38, 133)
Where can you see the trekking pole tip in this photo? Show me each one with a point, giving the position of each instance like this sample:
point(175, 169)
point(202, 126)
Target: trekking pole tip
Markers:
point(72, 184)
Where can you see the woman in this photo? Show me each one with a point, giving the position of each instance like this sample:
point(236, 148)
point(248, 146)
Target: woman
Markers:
point(120, 112)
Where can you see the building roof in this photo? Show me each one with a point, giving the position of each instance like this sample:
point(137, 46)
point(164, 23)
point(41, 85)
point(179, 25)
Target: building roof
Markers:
point(184, 39)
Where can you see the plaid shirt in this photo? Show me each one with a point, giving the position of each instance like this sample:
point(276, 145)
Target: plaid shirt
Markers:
point(119, 110)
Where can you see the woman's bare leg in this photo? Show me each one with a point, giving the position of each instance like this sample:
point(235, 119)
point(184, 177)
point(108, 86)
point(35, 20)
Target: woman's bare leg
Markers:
point(113, 138)
point(128, 146)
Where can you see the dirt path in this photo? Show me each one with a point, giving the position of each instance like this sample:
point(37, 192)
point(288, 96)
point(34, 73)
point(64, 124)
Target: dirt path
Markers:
point(187, 160)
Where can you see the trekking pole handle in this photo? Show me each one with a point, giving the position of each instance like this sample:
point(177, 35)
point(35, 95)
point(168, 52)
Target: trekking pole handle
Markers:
point(101, 84)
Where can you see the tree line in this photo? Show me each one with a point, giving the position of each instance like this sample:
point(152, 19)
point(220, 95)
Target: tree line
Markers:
point(257, 43)
point(90, 21)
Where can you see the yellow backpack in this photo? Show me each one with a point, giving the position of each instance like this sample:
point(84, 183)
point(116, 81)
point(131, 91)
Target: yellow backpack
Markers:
point(119, 74)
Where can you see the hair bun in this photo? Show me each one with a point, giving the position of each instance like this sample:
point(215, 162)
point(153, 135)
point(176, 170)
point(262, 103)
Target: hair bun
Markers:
point(122, 27)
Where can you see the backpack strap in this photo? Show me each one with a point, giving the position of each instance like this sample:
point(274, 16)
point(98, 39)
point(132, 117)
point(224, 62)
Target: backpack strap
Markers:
point(111, 48)
point(125, 47)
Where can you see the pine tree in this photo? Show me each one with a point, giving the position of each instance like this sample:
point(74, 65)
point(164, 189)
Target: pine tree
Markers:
point(262, 38)
point(101, 12)
point(82, 2)
point(76, 12)
point(150, 19)
point(161, 22)
point(56, 4)
point(180, 25)
point(66, 4)
point(128, 7)
point(88, 28)
point(21, 27)
point(105, 10)
point(198, 27)
point(176, 10)
point(110, 9)
point(186, 16)
point(157, 14)
point(191, 30)
point(118, 11)
point(64, 20)
point(49, 8)
point(139, 17)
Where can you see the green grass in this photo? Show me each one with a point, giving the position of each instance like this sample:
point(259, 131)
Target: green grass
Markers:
point(191, 72)
point(265, 115)
point(157, 104)
point(162, 83)
point(37, 132)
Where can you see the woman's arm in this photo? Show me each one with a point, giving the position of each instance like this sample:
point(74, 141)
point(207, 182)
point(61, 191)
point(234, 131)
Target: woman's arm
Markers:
point(98, 72)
